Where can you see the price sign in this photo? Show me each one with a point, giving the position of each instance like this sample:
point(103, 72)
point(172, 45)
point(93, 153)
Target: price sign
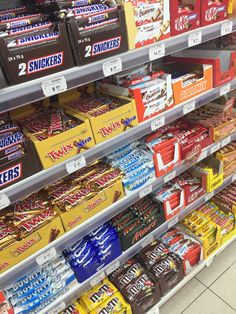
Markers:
point(173, 222)
point(233, 178)
point(147, 241)
point(58, 308)
point(203, 155)
point(194, 38)
point(189, 107)
point(154, 310)
point(75, 165)
point(156, 52)
point(112, 67)
point(46, 256)
point(170, 176)
point(54, 86)
point(112, 267)
point(215, 147)
point(95, 281)
point(209, 196)
point(226, 28)
point(225, 89)
point(157, 123)
point(4, 201)
point(226, 141)
point(145, 191)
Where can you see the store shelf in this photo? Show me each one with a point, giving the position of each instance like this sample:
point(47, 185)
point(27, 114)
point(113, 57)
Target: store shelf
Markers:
point(80, 231)
point(41, 179)
point(191, 275)
point(73, 294)
point(16, 96)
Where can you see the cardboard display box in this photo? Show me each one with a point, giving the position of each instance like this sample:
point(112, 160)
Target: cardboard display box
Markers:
point(213, 11)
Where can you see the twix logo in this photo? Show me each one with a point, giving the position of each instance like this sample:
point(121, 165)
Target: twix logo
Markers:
point(106, 131)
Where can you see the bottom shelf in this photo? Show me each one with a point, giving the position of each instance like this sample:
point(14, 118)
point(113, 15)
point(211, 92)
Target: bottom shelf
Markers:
point(190, 276)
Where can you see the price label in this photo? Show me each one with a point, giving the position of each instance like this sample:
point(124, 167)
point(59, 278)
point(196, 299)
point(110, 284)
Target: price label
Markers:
point(226, 141)
point(173, 222)
point(209, 196)
point(58, 309)
point(112, 267)
point(112, 67)
point(147, 241)
point(209, 261)
point(54, 86)
point(99, 277)
point(225, 89)
point(46, 256)
point(75, 165)
point(233, 178)
point(170, 176)
point(158, 123)
point(203, 155)
point(154, 310)
point(157, 51)
point(145, 191)
point(189, 107)
point(4, 201)
point(226, 28)
point(194, 39)
point(215, 148)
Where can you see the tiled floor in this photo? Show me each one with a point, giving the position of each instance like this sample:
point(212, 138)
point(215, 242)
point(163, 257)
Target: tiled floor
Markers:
point(212, 291)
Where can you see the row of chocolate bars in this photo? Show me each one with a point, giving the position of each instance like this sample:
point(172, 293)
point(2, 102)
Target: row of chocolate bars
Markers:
point(84, 31)
point(45, 134)
point(137, 285)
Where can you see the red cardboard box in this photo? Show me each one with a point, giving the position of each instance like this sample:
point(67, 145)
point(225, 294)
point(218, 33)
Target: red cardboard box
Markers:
point(213, 11)
point(185, 15)
point(222, 62)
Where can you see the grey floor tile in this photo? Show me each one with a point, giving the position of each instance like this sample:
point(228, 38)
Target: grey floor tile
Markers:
point(221, 263)
point(208, 303)
point(185, 296)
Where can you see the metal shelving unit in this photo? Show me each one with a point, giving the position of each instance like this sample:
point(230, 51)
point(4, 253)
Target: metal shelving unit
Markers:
point(46, 177)
point(80, 231)
point(73, 294)
point(16, 96)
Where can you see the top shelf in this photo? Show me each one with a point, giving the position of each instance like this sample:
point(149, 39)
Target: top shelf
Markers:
point(16, 96)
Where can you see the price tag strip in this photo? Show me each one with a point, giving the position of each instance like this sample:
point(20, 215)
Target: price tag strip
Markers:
point(173, 222)
point(58, 309)
point(233, 178)
point(98, 278)
point(226, 28)
point(194, 39)
point(4, 201)
point(112, 67)
point(145, 191)
point(54, 86)
point(75, 165)
point(226, 141)
point(215, 148)
point(157, 51)
point(170, 176)
point(209, 196)
point(189, 107)
point(225, 89)
point(112, 268)
point(158, 123)
point(147, 241)
point(47, 256)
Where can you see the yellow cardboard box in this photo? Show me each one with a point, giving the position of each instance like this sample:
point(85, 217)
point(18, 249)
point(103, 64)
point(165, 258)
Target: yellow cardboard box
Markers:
point(109, 124)
point(22, 249)
point(90, 207)
point(63, 146)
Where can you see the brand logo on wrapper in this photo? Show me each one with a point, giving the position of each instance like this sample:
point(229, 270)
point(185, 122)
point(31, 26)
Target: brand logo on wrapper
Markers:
point(106, 131)
point(110, 307)
point(4, 265)
point(45, 63)
point(37, 38)
point(106, 45)
point(11, 174)
point(140, 234)
point(30, 242)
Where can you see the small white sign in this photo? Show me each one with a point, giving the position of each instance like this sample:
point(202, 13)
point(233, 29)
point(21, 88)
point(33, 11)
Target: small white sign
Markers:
point(157, 51)
point(99, 277)
point(75, 165)
point(58, 308)
point(225, 89)
point(173, 222)
point(112, 67)
point(112, 267)
point(147, 241)
point(170, 176)
point(233, 178)
point(209, 261)
point(54, 86)
point(226, 28)
point(4, 201)
point(46, 256)
point(154, 310)
point(194, 38)
point(226, 141)
point(203, 155)
point(158, 123)
point(189, 107)
point(145, 191)
point(215, 148)
point(209, 196)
